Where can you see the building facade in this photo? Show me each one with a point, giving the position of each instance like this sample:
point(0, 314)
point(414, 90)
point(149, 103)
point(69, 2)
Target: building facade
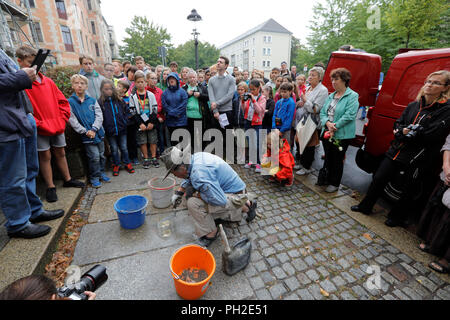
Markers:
point(69, 28)
point(263, 47)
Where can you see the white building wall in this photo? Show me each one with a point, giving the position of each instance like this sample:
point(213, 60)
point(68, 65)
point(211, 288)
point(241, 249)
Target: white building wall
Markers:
point(261, 55)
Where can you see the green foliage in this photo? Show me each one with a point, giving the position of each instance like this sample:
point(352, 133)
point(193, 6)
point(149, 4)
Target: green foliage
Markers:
point(143, 39)
point(184, 54)
point(402, 23)
point(61, 77)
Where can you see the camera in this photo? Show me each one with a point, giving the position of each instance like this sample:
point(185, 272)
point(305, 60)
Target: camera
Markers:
point(90, 281)
point(414, 129)
point(246, 96)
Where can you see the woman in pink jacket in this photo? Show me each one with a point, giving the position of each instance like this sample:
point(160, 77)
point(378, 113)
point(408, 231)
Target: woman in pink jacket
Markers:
point(254, 107)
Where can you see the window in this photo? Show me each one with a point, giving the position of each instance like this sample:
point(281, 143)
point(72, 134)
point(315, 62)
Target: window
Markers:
point(67, 38)
point(253, 52)
point(267, 39)
point(93, 27)
point(97, 50)
point(81, 39)
point(89, 4)
point(31, 3)
point(253, 41)
point(268, 63)
point(38, 36)
point(61, 8)
point(268, 51)
point(264, 51)
point(264, 63)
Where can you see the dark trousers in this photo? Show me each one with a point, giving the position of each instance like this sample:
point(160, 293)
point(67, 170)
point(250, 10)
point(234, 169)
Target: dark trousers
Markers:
point(161, 130)
point(334, 160)
point(195, 135)
point(307, 157)
point(224, 130)
point(131, 142)
point(385, 172)
point(174, 142)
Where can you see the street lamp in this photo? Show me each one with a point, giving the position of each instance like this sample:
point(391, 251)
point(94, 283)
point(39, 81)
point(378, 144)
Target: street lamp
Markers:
point(194, 16)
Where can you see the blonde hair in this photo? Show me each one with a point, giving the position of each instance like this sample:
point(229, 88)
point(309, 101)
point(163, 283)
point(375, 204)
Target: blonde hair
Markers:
point(79, 77)
point(272, 135)
point(445, 95)
point(243, 84)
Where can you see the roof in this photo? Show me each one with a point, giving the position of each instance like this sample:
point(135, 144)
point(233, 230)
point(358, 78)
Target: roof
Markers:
point(268, 26)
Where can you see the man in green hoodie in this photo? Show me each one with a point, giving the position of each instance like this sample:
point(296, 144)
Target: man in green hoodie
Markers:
point(95, 79)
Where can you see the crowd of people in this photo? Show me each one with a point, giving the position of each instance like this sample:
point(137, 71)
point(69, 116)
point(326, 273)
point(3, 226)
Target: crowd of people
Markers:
point(135, 111)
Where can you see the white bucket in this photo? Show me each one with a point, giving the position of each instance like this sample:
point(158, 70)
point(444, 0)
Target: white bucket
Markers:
point(161, 191)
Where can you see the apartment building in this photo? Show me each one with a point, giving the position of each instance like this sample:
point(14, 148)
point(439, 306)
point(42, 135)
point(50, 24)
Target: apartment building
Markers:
point(262, 48)
point(69, 28)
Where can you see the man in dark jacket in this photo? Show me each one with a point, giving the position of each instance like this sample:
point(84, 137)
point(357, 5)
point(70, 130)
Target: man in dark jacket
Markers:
point(19, 163)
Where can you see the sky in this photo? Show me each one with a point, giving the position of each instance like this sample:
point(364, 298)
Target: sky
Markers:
point(222, 20)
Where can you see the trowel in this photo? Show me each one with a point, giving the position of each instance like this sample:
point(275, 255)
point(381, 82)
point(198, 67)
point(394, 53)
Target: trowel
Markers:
point(237, 258)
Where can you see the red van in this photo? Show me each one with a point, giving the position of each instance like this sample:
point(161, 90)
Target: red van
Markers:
point(401, 85)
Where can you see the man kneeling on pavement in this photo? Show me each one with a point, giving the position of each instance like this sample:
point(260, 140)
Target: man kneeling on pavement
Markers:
point(214, 191)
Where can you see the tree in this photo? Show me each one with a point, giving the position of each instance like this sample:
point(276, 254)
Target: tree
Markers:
point(143, 39)
point(184, 54)
point(412, 19)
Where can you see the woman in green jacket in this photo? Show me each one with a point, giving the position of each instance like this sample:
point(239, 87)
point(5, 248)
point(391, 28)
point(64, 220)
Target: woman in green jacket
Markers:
point(337, 117)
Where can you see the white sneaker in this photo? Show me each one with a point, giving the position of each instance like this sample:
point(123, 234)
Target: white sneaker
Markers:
point(303, 171)
point(331, 189)
point(257, 168)
point(297, 166)
point(248, 165)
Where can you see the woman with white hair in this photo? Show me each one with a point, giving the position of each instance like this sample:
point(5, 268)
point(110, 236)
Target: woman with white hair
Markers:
point(309, 104)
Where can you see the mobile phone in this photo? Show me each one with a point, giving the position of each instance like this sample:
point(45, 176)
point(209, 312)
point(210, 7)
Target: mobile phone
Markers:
point(40, 59)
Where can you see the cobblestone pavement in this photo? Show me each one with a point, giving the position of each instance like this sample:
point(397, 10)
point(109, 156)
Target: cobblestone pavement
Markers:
point(306, 248)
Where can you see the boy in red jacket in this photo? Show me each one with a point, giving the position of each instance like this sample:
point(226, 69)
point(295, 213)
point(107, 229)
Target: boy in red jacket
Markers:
point(51, 111)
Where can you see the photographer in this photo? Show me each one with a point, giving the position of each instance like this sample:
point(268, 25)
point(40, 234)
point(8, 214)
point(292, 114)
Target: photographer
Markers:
point(35, 287)
point(419, 134)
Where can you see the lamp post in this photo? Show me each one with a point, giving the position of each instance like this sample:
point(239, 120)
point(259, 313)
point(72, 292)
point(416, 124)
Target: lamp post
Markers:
point(194, 16)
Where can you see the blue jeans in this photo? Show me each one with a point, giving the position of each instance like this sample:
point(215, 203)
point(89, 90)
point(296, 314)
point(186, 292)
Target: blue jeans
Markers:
point(116, 143)
point(19, 167)
point(96, 159)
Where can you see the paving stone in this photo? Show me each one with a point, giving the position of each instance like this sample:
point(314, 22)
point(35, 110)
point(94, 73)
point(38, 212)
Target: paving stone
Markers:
point(292, 283)
point(279, 273)
point(382, 260)
point(339, 281)
point(398, 272)
point(343, 263)
point(310, 260)
point(283, 257)
point(263, 294)
point(288, 268)
point(324, 273)
point(256, 283)
point(401, 295)
point(361, 293)
point(312, 274)
point(304, 294)
point(314, 289)
point(443, 294)
point(268, 251)
point(405, 258)
point(411, 293)
point(250, 271)
point(328, 286)
point(299, 264)
point(421, 268)
point(291, 296)
point(293, 253)
point(427, 283)
point(389, 297)
point(267, 277)
point(348, 277)
point(273, 262)
point(347, 296)
point(277, 291)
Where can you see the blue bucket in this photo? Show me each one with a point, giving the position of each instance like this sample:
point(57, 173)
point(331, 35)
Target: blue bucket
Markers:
point(131, 211)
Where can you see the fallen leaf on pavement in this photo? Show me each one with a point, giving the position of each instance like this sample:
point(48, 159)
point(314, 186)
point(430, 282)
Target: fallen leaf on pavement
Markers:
point(324, 293)
point(367, 236)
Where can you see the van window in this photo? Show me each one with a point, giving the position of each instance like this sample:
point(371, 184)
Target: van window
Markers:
point(413, 78)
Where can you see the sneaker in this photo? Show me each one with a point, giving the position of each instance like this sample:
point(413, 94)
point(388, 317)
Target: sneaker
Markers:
point(105, 178)
point(146, 163)
point(96, 183)
point(72, 183)
point(129, 168)
point(331, 189)
point(257, 168)
point(155, 163)
point(116, 171)
point(297, 166)
point(303, 171)
point(289, 182)
point(50, 195)
point(135, 161)
point(248, 165)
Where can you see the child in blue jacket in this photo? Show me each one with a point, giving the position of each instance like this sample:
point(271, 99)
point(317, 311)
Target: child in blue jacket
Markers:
point(283, 114)
point(115, 119)
point(86, 118)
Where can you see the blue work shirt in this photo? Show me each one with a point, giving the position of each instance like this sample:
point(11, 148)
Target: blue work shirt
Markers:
point(213, 178)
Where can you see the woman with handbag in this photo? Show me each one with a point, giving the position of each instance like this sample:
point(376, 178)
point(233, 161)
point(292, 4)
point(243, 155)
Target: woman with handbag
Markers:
point(338, 117)
point(419, 134)
point(309, 105)
point(434, 225)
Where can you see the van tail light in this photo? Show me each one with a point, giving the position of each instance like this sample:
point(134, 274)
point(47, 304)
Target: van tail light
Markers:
point(369, 113)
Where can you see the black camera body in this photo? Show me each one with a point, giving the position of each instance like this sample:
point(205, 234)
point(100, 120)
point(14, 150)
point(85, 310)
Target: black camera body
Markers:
point(246, 96)
point(414, 129)
point(90, 281)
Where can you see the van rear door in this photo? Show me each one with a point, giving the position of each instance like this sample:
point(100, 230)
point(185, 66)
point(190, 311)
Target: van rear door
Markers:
point(401, 86)
point(365, 69)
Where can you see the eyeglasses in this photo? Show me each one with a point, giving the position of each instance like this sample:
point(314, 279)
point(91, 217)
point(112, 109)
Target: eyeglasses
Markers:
point(434, 83)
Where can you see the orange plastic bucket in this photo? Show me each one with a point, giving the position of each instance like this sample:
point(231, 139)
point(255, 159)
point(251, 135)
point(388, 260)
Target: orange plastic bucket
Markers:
point(187, 257)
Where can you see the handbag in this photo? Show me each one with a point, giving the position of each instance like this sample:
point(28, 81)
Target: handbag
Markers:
point(305, 129)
